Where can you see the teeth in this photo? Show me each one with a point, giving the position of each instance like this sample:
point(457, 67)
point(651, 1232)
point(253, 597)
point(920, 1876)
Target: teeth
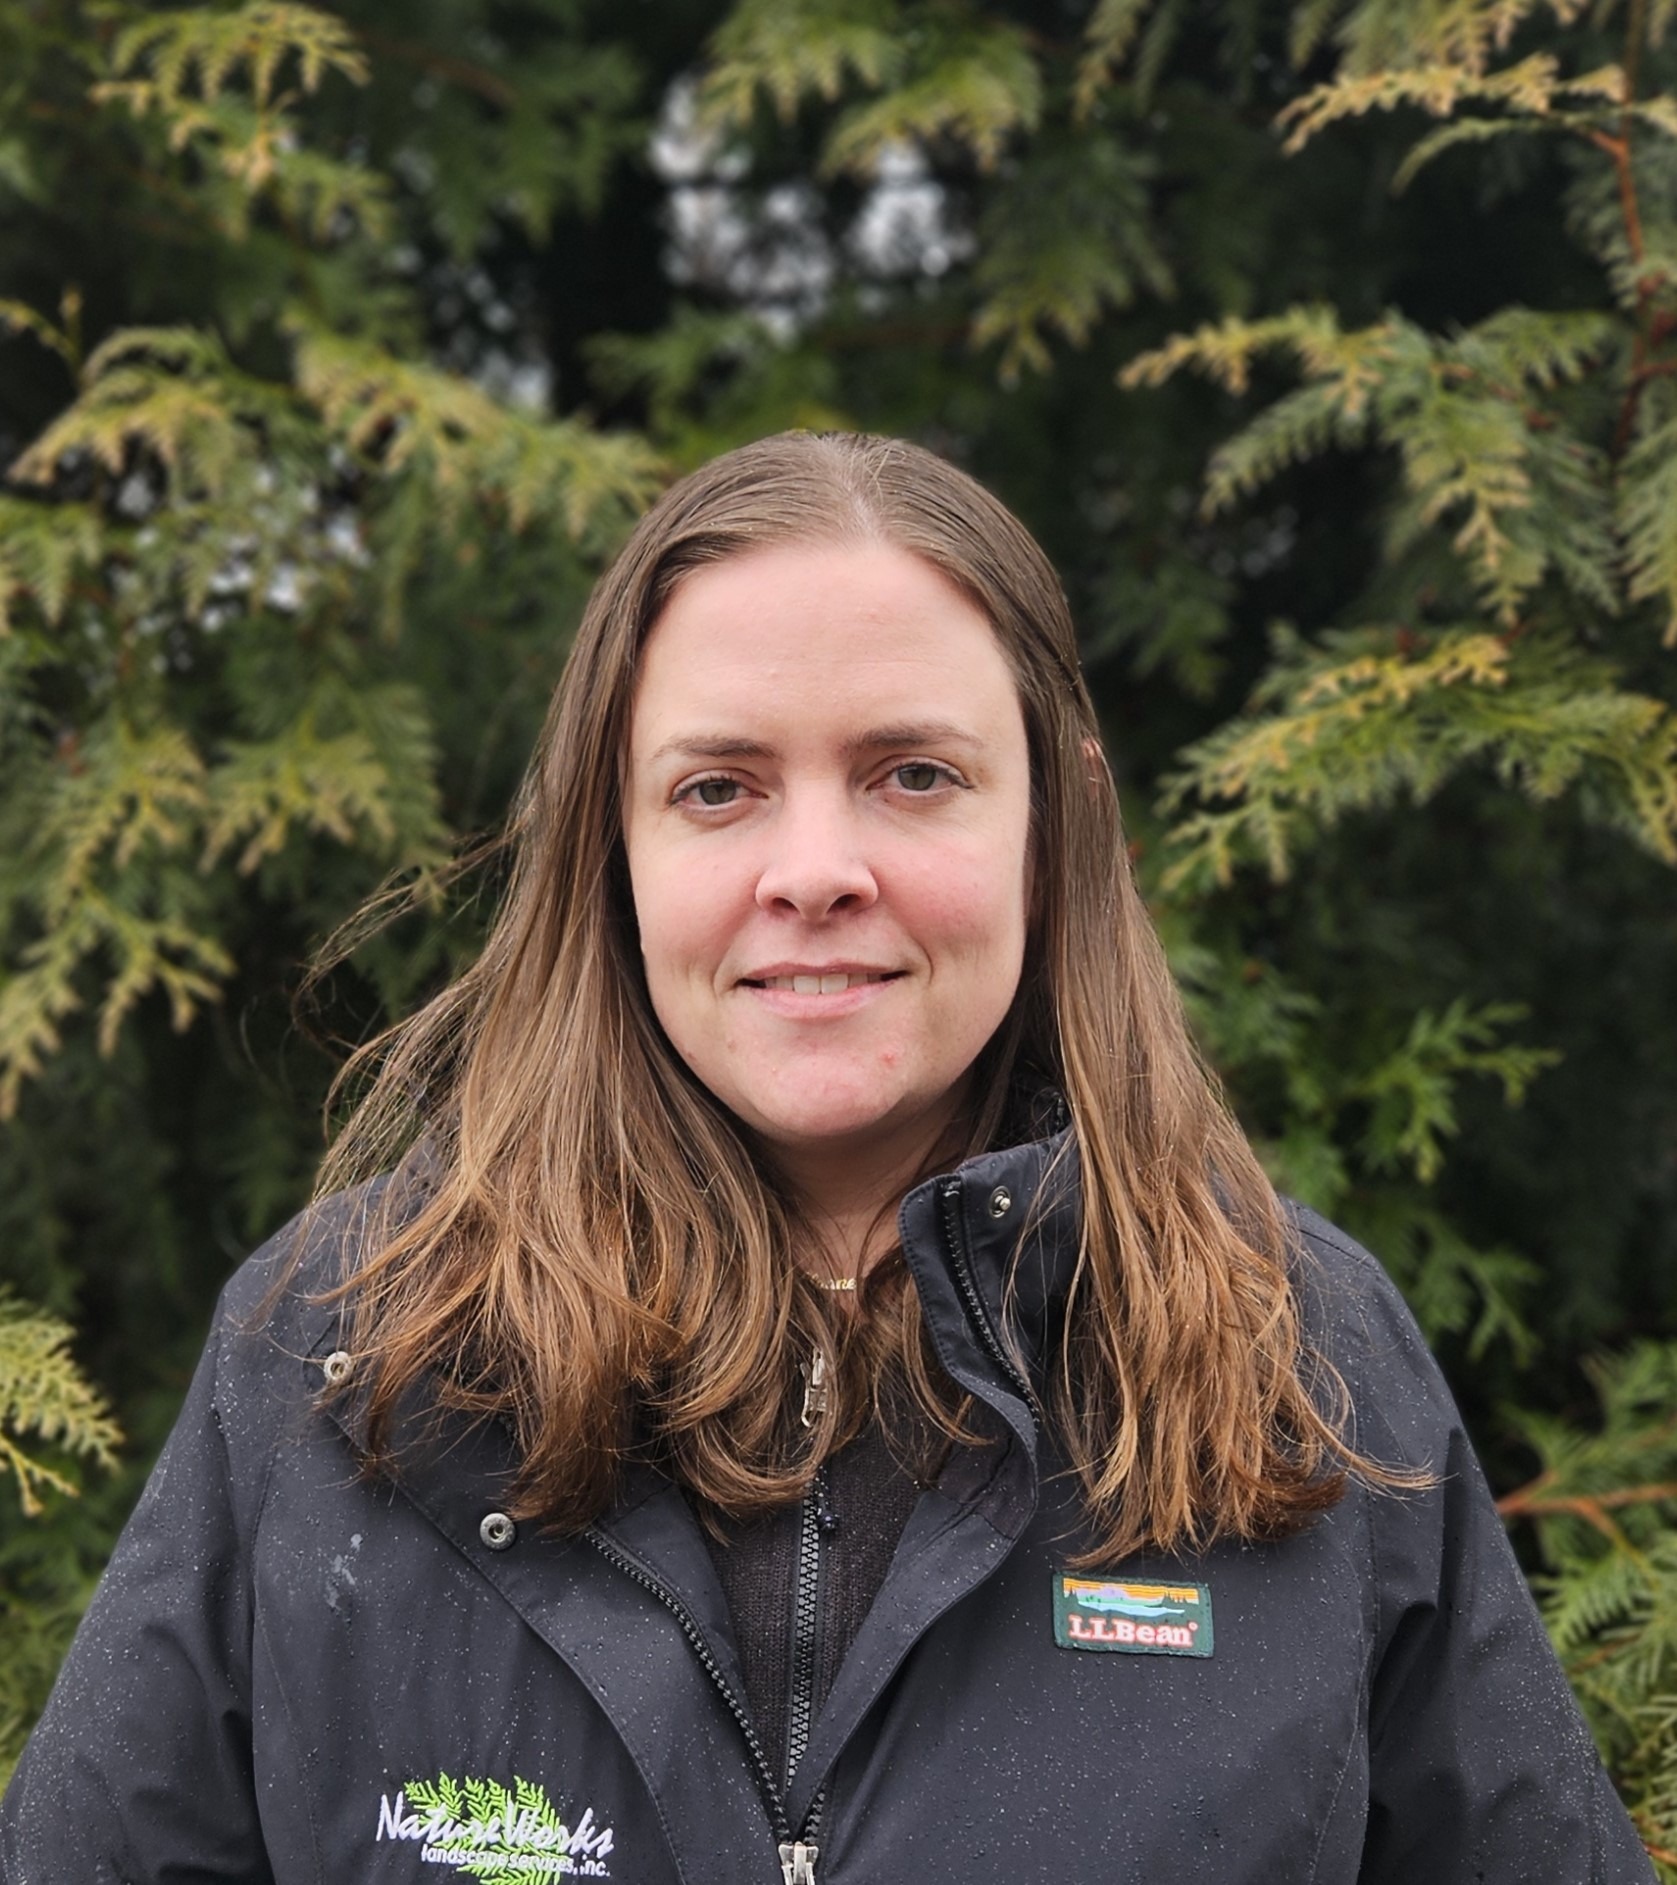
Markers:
point(820, 984)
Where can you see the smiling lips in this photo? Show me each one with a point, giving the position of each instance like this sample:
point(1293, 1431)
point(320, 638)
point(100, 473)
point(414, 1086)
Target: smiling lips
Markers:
point(819, 982)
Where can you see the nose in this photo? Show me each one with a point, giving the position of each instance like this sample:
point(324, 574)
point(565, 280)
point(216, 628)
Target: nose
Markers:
point(817, 866)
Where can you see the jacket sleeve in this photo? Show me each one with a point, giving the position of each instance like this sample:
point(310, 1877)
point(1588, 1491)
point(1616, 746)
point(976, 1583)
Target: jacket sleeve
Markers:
point(1481, 1768)
point(140, 1770)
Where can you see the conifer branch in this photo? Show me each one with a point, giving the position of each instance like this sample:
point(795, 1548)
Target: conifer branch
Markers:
point(981, 89)
point(44, 1394)
point(1534, 1500)
point(468, 74)
point(788, 50)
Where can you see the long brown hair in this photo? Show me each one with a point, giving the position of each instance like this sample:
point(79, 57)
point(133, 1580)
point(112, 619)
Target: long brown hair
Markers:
point(592, 1251)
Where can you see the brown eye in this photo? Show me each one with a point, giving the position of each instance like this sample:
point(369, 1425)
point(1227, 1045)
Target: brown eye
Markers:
point(918, 776)
point(715, 792)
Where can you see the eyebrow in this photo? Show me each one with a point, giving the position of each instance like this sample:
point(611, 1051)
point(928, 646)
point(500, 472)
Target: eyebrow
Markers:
point(872, 740)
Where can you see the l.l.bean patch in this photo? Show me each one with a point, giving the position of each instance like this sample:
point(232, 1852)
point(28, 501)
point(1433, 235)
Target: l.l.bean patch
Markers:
point(1133, 1619)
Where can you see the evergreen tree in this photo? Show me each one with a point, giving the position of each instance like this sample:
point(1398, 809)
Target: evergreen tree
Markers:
point(1327, 347)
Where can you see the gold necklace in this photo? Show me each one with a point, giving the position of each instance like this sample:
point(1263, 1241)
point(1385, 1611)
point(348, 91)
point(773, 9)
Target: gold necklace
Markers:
point(836, 1282)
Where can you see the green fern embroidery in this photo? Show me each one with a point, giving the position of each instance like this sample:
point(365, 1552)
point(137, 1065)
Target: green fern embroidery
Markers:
point(505, 1836)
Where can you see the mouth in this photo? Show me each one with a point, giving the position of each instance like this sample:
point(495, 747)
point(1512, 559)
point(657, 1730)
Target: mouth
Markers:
point(822, 982)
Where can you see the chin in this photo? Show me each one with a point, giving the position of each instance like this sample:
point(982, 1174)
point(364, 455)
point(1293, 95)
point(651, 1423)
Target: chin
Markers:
point(836, 1126)
point(811, 1128)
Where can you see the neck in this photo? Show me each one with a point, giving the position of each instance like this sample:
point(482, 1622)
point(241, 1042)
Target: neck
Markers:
point(850, 1194)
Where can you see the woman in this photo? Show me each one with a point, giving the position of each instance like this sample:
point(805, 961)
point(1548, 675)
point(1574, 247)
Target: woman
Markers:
point(827, 1385)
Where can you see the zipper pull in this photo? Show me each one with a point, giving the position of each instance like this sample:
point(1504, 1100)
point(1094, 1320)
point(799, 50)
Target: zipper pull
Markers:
point(797, 1863)
point(815, 1397)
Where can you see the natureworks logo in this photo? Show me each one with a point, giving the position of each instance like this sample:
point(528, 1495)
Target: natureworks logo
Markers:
point(493, 1834)
point(1140, 1619)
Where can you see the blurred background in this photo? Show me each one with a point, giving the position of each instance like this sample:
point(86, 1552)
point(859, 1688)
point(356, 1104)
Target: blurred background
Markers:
point(1331, 351)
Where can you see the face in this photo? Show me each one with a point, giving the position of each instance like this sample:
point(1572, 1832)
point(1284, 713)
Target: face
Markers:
point(827, 820)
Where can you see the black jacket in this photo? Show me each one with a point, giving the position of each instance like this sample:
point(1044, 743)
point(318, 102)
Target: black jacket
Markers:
point(291, 1675)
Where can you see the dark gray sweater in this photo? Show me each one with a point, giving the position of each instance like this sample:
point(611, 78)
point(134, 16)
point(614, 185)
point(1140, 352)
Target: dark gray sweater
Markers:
point(863, 1499)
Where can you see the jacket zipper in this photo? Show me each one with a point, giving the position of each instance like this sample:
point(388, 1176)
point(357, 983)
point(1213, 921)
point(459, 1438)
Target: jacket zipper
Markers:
point(797, 1854)
point(978, 1314)
point(815, 1520)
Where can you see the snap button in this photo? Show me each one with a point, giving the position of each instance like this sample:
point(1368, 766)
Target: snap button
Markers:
point(1001, 1201)
point(337, 1366)
point(497, 1531)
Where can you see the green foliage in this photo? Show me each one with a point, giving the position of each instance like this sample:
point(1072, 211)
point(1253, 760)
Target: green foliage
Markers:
point(948, 76)
point(41, 550)
point(1602, 1508)
point(248, 135)
point(1478, 448)
point(708, 380)
point(219, 505)
point(308, 322)
point(1064, 241)
point(191, 52)
point(1530, 89)
point(973, 85)
point(43, 1393)
point(1380, 1111)
point(172, 393)
point(1374, 715)
point(45, 1402)
point(65, 340)
point(784, 53)
point(1526, 531)
point(1110, 33)
point(401, 417)
point(1648, 519)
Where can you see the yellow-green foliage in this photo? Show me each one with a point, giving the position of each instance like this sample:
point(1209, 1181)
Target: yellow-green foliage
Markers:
point(124, 797)
point(405, 417)
point(190, 51)
point(1542, 520)
point(1529, 536)
point(193, 57)
point(1108, 37)
point(216, 524)
point(50, 1416)
point(1480, 450)
point(973, 86)
point(269, 558)
point(953, 76)
point(1365, 718)
point(1066, 239)
point(44, 1397)
point(42, 548)
point(173, 393)
point(784, 51)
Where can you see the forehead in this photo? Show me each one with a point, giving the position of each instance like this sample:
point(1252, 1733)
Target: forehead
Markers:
point(811, 633)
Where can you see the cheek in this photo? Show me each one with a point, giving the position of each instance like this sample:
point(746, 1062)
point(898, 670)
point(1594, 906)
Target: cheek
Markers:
point(680, 913)
point(978, 916)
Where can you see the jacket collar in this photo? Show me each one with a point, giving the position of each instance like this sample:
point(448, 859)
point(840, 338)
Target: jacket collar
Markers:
point(1011, 1220)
